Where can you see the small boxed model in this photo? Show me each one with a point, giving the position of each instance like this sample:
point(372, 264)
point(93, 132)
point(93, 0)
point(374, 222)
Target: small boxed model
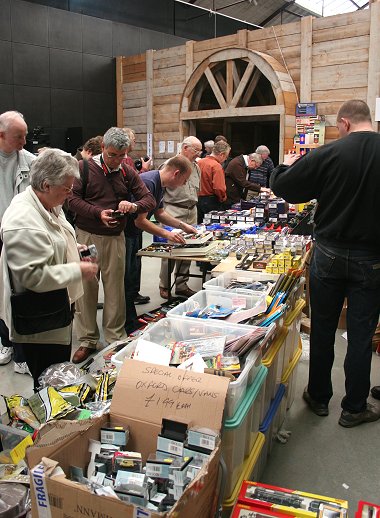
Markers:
point(290, 502)
point(144, 394)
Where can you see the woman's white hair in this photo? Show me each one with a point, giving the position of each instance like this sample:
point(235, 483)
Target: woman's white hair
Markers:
point(53, 166)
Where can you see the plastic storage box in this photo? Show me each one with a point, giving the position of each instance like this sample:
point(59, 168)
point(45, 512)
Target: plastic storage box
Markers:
point(289, 377)
point(186, 328)
point(220, 282)
point(293, 323)
point(274, 361)
point(269, 427)
point(240, 432)
point(248, 471)
point(225, 299)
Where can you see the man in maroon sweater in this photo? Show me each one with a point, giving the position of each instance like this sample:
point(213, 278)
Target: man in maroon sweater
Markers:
point(109, 188)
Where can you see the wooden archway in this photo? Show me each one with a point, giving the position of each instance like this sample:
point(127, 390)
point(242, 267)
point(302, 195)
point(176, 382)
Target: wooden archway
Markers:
point(233, 91)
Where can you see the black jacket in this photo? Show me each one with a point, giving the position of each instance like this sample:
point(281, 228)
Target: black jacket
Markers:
point(344, 176)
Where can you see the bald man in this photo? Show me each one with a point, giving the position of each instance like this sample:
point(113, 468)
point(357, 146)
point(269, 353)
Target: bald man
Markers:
point(15, 165)
point(181, 203)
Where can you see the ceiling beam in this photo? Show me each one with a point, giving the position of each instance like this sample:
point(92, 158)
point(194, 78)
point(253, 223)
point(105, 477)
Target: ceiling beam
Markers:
point(279, 11)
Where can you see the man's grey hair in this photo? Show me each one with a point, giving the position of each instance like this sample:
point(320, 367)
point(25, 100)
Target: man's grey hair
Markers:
point(262, 150)
point(190, 141)
point(117, 138)
point(53, 166)
point(256, 157)
point(7, 118)
point(209, 143)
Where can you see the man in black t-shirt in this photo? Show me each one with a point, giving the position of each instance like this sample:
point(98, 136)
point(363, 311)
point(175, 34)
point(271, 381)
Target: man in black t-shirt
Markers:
point(344, 178)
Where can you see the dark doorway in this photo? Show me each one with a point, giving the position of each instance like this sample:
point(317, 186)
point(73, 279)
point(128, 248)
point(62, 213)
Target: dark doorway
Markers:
point(243, 133)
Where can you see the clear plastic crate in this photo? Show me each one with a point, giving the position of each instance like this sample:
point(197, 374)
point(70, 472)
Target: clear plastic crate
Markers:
point(225, 299)
point(274, 361)
point(240, 432)
point(289, 378)
point(184, 329)
point(293, 324)
point(221, 282)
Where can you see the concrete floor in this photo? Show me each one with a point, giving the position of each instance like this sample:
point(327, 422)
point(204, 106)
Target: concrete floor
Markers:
point(320, 457)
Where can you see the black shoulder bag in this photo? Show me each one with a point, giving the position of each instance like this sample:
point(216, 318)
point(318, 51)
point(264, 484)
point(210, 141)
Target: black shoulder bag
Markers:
point(34, 312)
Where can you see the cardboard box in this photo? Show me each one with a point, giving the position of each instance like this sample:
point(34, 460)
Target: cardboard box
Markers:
point(144, 394)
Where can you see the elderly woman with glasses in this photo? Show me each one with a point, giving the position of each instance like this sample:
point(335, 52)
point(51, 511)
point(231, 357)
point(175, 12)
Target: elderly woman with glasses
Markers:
point(40, 254)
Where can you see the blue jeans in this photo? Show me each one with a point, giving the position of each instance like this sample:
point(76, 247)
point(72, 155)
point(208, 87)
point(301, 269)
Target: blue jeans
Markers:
point(336, 274)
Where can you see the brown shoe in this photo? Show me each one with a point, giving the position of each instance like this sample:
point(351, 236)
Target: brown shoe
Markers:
point(164, 293)
point(82, 354)
point(188, 292)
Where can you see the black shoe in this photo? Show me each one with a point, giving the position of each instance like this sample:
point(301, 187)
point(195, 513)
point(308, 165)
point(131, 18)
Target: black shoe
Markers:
point(320, 409)
point(141, 299)
point(375, 391)
point(348, 420)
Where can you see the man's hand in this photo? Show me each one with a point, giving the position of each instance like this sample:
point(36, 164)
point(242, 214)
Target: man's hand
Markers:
point(146, 166)
point(175, 237)
point(290, 159)
point(127, 207)
point(189, 229)
point(107, 219)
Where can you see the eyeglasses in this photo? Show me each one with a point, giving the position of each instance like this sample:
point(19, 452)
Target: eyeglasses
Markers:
point(68, 190)
point(197, 151)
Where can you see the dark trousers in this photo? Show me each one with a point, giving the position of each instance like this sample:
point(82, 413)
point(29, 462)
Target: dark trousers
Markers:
point(39, 357)
point(132, 280)
point(207, 204)
point(336, 273)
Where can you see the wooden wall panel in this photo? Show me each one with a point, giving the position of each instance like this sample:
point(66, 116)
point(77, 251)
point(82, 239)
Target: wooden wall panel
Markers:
point(334, 69)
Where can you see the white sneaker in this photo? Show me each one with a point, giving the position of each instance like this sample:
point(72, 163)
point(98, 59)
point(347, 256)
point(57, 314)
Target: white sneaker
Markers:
point(22, 368)
point(5, 354)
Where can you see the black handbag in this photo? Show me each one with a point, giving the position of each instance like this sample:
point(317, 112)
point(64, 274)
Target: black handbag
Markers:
point(34, 312)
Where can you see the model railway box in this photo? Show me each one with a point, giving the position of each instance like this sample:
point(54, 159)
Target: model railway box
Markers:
point(144, 394)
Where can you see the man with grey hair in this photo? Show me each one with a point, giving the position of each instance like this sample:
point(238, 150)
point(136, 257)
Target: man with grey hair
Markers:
point(181, 203)
point(209, 146)
point(15, 165)
point(101, 212)
point(262, 173)
point(237, 173)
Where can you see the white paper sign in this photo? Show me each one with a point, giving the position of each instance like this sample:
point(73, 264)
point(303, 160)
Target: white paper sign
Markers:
point(170, 146)
point(161, 146)
point(150, 352)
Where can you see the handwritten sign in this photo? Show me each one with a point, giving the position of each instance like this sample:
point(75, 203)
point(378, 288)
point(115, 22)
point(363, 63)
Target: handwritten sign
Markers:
point(151, 392)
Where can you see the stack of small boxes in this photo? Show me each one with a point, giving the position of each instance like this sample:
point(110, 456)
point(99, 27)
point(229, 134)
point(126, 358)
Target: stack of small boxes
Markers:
point(276, 211)
point(180, 455)
point(281, 263)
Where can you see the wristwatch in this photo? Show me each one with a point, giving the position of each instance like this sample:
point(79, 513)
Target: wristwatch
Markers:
point(134, 207)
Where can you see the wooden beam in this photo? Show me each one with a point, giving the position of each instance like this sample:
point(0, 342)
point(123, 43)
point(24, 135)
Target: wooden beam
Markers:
point(251, 111)
point(306, 58)
point(221, 82)
point(215, 88)
point(243, 83)
point(235, 75)
point(251, 87)
point(119, 91)
point(242, 37)
point(149, 96)
point(374, 61)
point(189, 59)
point(230, 81)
